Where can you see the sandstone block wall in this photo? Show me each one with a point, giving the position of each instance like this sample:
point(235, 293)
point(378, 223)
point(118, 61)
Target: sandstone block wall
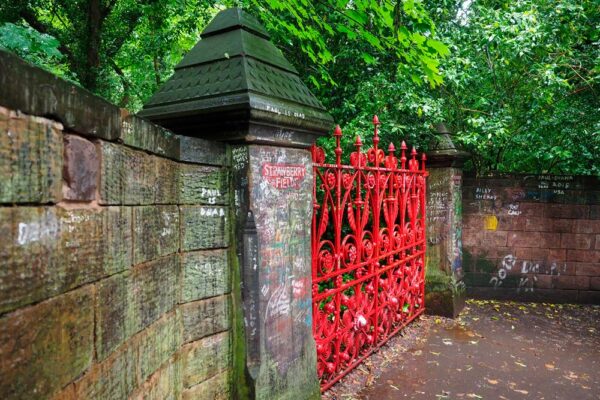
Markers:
point(114, 250)
point(532, 237)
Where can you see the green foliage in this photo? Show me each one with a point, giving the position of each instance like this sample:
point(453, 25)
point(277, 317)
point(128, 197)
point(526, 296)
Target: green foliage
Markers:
point(401, 32)
point(119, 49)
point(521, 88)
point(521, 77)
point(522, 85)
point(35, 47)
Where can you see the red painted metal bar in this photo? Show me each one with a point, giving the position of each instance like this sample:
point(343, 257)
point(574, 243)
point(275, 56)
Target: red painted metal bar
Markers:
point(368, 244)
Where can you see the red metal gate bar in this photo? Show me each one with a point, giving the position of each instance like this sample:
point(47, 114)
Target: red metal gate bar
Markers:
point(368, 244)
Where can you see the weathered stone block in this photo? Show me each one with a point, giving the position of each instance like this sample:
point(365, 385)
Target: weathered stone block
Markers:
point(494, 238)
point(568, 211)
point(535, 210)
point(586, 226)
point(164, 384)
point(583, 256)
point(588, 296)
point(576, 241)
point(200, 151)
point(113, 378)
point(532, 254)
point(204, 227)
point(46, 346)
point(589, 269)
point(114, 314)
point(156, 232)
point(167, 181)
point(595, 212)
point(139, 133)
point(117, 224)
point(127, 176)
point(203, 185)
point(154, 288)
point(595, 283)
point(534, 239)
point(537, 224)
point(206, 317)
point(31, 157)
point(53, 250)
point(38, 92)
point(158, 343)
point(571, 282)
point(215, 388)
point(6, 245)
point(562, 225)
point(206, 358)
point(81, 168)
point(205, 274)
point(131, 301)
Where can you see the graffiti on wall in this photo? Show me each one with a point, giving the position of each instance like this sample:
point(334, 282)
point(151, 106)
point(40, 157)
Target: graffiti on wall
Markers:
point(526, 271)
point(283, 206)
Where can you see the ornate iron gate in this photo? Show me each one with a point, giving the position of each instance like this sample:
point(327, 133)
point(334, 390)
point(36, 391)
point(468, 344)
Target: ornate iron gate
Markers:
point(368, 246)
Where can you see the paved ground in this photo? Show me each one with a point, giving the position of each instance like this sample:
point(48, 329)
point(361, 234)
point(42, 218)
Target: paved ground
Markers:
point(494, 350)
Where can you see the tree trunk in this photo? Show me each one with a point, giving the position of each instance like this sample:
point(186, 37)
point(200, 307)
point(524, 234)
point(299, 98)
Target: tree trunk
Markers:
point(89, 76)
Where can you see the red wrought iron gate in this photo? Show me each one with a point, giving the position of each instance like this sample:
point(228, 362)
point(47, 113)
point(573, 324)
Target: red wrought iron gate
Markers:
point(368, 246)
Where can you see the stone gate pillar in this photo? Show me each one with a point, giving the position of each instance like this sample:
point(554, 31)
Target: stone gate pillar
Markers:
point(445, 289)
point(235, 86)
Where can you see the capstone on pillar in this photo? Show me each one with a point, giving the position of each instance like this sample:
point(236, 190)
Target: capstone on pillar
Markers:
point(235, 86)
point(445, 288)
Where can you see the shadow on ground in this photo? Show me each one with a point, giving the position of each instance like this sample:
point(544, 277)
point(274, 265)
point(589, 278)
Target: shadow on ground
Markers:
point(494, 350)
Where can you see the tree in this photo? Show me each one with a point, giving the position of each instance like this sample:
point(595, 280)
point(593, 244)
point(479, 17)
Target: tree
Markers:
point(122, 49)
point(521, 87)
point(119, 49)
point(523, 84)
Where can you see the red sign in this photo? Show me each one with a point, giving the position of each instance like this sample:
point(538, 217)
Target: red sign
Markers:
point(284, 176)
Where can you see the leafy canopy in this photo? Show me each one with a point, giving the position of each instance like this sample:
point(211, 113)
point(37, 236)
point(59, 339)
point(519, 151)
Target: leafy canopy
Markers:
point(521, 77)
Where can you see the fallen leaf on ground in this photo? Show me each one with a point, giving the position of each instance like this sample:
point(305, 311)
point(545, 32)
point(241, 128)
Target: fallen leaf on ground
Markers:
point(521, 391)
point(549, 366)
point(571, 376)
point(492, 381)
point(474, 396)
point(521, 364)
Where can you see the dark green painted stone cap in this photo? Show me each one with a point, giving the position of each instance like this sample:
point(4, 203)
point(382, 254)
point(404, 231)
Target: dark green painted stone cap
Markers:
point(443, 152)
point(235, 85)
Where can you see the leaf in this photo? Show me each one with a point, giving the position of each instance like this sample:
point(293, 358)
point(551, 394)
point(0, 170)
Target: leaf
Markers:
point(440, 47)
point(358, 16)
point(369, 59)
point(520, 364)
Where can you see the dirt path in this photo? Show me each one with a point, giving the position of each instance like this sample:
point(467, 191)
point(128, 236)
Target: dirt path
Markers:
point(494, 350)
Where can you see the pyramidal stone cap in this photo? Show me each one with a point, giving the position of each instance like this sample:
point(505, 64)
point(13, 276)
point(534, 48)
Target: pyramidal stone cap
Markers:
point(443, 152)
point(236, 86)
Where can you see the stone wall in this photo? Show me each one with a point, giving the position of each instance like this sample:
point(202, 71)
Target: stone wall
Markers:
point(532, 237)
point(115, 272)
